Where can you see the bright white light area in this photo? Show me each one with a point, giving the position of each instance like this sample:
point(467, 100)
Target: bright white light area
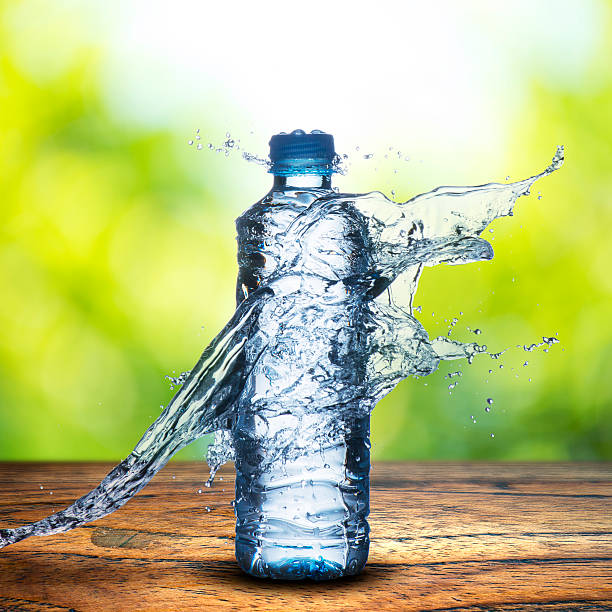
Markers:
point(438, 75)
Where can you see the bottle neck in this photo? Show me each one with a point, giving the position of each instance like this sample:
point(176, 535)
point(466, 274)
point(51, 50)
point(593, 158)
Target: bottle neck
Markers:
point(302, 181)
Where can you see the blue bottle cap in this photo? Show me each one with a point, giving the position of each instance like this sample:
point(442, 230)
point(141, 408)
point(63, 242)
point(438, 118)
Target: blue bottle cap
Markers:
point(302, 153)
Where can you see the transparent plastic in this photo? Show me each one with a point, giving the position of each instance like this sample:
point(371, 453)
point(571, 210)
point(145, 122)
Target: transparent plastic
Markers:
point(300, 513)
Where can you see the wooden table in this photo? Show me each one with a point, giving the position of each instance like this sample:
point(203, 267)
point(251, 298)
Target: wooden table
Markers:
point(445, 536)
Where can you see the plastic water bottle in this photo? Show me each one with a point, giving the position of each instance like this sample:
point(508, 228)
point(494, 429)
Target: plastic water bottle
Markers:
point(301, 513)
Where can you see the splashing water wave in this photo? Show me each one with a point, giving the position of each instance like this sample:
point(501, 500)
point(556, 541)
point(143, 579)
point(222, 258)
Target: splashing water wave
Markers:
point(303, 305)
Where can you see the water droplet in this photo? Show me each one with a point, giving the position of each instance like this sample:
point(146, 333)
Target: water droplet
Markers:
point(199, 147)
point(489, 401)
point(190, 142)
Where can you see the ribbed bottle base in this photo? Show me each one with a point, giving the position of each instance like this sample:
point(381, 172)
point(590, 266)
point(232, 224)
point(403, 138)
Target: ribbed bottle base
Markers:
point(298, 561)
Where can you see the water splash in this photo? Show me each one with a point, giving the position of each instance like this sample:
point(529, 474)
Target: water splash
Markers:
point(546, 342)
point(230, 146)
point(299, 310)
point(177, 381)
point(343, 162)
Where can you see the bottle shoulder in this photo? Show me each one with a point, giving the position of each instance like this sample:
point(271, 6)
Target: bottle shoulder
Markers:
point(283, 199)
point(277, 209)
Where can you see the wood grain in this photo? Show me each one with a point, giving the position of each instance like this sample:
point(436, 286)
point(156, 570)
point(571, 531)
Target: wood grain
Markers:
point(445, 536)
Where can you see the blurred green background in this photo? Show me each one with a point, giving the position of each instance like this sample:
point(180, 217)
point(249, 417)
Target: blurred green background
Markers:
point(117, 251)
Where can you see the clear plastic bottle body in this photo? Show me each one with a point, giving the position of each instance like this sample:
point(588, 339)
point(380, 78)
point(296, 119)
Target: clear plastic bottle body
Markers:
point(301, 513)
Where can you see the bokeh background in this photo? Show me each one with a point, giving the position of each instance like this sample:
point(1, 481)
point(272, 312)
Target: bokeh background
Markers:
point(117, 251)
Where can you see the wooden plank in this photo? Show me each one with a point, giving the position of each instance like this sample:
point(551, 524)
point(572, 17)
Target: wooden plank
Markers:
point(444, 537)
